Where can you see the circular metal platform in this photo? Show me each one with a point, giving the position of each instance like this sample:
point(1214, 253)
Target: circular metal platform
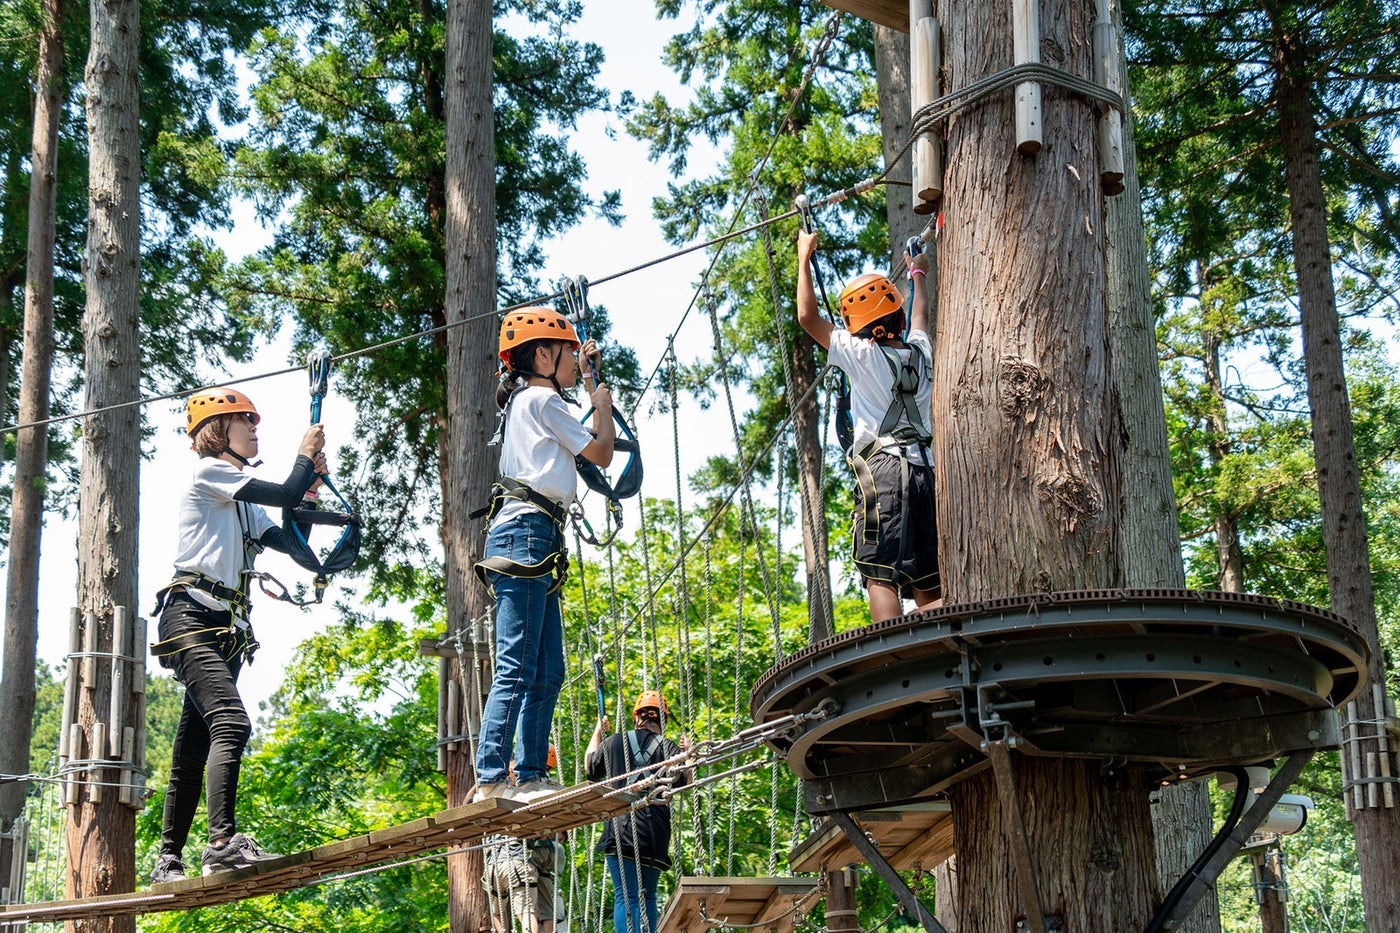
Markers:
point(1186, 680)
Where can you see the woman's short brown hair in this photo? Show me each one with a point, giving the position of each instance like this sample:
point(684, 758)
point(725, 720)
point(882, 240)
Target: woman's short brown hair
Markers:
point(211, 439)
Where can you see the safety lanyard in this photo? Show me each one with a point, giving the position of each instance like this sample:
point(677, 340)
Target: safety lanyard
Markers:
point(628, 480)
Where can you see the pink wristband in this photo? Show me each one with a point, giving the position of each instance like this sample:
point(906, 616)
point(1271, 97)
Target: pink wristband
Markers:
point(918, 271)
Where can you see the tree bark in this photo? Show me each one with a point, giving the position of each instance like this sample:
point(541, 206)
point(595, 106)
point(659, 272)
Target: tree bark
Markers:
point(101, 833)
point(470, 236)
point(811, 462)
point(1334, 451)
point(1028, 435)
point(1273, 909)
point(1149, 539)
point(1229, 556)
point(31, 444)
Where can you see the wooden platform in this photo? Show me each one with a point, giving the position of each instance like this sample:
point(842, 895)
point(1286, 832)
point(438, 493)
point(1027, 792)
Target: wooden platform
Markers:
point(703, 905)
point(459, 826)
point(918, 835)
point(891, 13)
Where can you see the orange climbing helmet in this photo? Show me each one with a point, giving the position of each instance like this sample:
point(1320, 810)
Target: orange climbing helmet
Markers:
point(526, 324)
point(651, 699)
point(551, 759)
point(867, 299)
point(210, 403)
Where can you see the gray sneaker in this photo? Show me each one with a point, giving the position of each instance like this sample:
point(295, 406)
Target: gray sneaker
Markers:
point(168, 868)
point(534, 790)
point(239, 852)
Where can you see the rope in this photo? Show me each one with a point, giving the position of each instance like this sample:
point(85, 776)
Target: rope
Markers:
point(925, 119)
point(749, 511)
point(386, 344)
point(829, 33)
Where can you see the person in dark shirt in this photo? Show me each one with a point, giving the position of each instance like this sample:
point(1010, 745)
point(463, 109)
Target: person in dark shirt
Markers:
point(637, 845)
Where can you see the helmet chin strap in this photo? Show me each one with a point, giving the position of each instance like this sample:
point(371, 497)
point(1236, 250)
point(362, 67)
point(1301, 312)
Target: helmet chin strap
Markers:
point(242, 459)
point(552, 376)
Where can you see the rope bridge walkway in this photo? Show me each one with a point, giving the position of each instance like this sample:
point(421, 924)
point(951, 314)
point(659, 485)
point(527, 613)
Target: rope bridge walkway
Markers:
point(459, 826)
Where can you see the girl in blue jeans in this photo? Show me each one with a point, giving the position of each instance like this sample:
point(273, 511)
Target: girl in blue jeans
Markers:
point(525, 560)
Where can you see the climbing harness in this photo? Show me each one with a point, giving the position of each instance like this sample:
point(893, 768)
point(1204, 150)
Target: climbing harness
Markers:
point(229, 640)
point(556, 563)
point(901, 426)
point(629, 479)
point(347, 548)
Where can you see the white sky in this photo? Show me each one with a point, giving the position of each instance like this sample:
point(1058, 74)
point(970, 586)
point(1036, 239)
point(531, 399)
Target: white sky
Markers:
point(645, 308)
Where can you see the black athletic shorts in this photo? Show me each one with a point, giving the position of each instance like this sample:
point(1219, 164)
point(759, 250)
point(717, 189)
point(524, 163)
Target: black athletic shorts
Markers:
point(901, 546)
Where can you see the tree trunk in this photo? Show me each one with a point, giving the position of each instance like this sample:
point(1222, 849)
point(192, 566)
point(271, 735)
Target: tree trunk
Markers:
point(1334, 450)
point(892, 84)
point(1027, 438)
point(1229, 557)
point(1149, 539)
point(892, 78)
point(811, 461)
point(1269, 874)
point(31, 445)
point(471, 289)
point(101, 832)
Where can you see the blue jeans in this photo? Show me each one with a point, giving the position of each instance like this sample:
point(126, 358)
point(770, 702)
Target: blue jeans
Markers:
point(633, 882)
point(529, 654)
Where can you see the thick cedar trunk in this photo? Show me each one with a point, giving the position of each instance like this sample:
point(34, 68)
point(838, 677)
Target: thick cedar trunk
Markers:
point(31, 445)
point(101, 835)
point(1148, 538)
point(1339, 487)
point(471, 290)
point(1027, 435)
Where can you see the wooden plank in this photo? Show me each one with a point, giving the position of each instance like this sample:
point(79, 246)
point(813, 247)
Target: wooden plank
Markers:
point(698, 903)
point(566, 810)
point(432, 648)
point(915, 834)
point(891, 13)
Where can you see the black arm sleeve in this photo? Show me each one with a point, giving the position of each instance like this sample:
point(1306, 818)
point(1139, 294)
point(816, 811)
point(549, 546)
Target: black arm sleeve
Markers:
point(286, 494)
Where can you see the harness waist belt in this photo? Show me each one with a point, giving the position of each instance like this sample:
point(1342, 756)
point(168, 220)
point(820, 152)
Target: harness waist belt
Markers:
point(237, 598)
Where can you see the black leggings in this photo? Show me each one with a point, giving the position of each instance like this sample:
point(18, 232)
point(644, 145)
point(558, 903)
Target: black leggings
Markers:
point(214, 727)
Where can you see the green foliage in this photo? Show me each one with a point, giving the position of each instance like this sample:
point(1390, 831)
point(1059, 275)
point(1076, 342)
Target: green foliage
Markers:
point(745, 63)
point(346, 153)
point(189, 95)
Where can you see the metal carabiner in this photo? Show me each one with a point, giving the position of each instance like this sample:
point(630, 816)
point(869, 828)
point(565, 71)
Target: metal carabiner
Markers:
point(318, 371)
point(804, 210)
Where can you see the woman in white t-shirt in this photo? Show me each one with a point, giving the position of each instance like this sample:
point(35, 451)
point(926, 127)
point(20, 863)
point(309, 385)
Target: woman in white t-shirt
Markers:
point(204, 632)
point(895, 530)
point(524, 560)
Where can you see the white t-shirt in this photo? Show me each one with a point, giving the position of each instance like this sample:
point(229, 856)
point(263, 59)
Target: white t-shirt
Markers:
point(212, 525)
point(872, 383)
point(542, 437)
